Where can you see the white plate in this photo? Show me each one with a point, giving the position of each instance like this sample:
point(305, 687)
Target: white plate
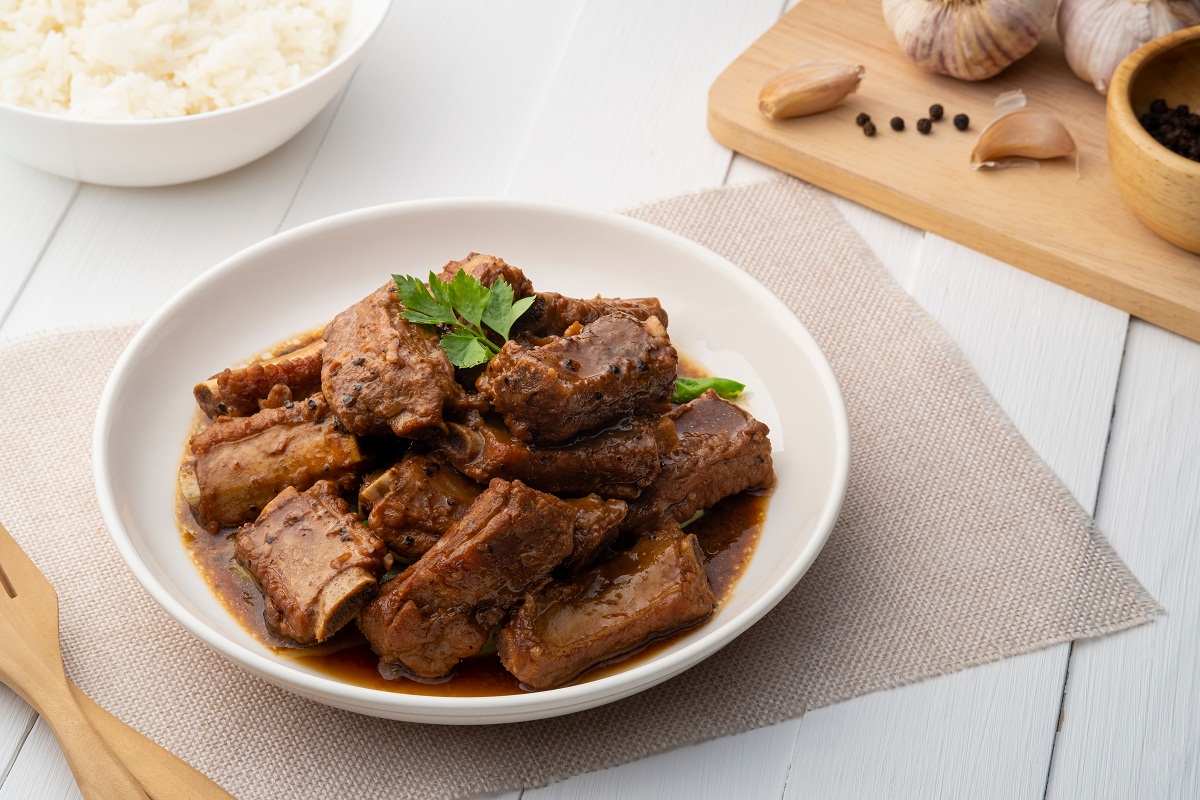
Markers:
point(719, 316)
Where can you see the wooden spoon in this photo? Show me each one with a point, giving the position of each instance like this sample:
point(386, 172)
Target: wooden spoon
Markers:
point(31, 665)
point(162, 774)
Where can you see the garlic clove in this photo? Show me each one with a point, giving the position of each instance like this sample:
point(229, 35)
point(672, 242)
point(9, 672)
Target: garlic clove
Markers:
point(1023, 133)
point(968, 39)
point(1097, 35)
point(808, 87)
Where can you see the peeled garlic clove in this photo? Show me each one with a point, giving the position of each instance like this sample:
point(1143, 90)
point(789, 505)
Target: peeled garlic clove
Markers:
point(808, 87)
point(968, 39)
point(1024, 133)
point(1098, 34)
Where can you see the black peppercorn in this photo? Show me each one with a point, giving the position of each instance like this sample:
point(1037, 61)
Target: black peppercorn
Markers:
point(862, 119)
point(936, 111)
point(869, 128)
point(962, 121)
point(1176, 129)
point(924, 125)
point(897, 124)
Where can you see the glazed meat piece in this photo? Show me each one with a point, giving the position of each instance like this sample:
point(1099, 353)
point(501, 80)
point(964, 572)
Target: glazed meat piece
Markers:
point(316, 563)
point(722, 451)
point(488, 270)
point(442, 608)
point(597, 522)
point(654, 589)
point(411, 505)
point(551, 313)
point(264, 384)
point(382, 373)
point(617, 462)
point(611, 368)
point(241, 463)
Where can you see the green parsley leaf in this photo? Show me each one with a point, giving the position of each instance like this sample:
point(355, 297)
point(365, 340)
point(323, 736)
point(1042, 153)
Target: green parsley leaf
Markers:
point(687, 389)
point(501, 312)
point(464, 348)
point(469, 297)
point(466, 305)
point(419, 305)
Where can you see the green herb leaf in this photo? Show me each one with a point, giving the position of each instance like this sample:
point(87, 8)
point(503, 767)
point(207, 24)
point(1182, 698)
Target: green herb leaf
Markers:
point(469, 297)
point(465, 349)
point(687, 389)
point(501, 312)
point(466, 305)
point(419, 305)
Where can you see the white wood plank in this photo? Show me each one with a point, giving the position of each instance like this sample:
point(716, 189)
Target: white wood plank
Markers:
point(750, 766)
point(1051, 358)
point(40, 771)
point(16, 718)
point(119, 254)
point(31, 205)
point(442, 105)
point(1131, 716)
point(624, 120)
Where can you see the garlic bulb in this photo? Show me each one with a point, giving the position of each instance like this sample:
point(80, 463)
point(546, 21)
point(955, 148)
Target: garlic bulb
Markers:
point(1098, 34)
point(968, 39)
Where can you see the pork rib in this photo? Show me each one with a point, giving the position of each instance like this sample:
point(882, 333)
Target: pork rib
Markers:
point(442, 608)
point(565, 627)
point(316, 563)
point(383, 373)
point(619, 461)
point(722, 451)
point(241, 463)
point(269, 383)
point(611, 368)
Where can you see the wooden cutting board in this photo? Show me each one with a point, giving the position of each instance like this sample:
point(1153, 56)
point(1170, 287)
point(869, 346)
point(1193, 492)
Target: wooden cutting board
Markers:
point(1075, 231)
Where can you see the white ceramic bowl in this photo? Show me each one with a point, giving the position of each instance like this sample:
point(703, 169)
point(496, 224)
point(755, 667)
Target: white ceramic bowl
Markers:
point(159, 152)
point(719, 316)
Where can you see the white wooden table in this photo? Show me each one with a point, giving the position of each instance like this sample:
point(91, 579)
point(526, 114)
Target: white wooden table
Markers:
point(602, 102)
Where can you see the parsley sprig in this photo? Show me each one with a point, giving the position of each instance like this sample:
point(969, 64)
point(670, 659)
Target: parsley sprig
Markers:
point(467, 306)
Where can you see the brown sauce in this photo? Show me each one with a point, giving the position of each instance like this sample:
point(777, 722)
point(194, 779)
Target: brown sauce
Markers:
point(728, 533)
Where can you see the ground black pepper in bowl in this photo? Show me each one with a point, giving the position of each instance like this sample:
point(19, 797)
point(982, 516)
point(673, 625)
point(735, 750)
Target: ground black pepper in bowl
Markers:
point(1177, 129)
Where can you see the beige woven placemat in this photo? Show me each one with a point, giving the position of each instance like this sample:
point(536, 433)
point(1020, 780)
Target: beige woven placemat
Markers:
point(956, 546)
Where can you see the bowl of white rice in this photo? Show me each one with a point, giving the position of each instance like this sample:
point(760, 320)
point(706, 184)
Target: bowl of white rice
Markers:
point(158, 92)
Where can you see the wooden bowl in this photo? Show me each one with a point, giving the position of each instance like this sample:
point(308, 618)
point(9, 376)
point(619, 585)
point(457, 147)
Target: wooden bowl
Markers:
point(1162, 187)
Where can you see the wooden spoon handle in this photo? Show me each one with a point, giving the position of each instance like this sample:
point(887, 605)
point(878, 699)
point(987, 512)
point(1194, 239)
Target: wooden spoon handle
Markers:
point(97, 770)
point(162, 774)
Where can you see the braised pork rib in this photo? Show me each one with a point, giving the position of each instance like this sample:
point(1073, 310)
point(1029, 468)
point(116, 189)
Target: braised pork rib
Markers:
point(654, 588)
point(443, 607)
point(618, 461)
point(316, 563)
point(606, 370)
point(383, 373)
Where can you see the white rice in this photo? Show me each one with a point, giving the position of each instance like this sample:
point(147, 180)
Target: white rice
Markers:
point(144, 59)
